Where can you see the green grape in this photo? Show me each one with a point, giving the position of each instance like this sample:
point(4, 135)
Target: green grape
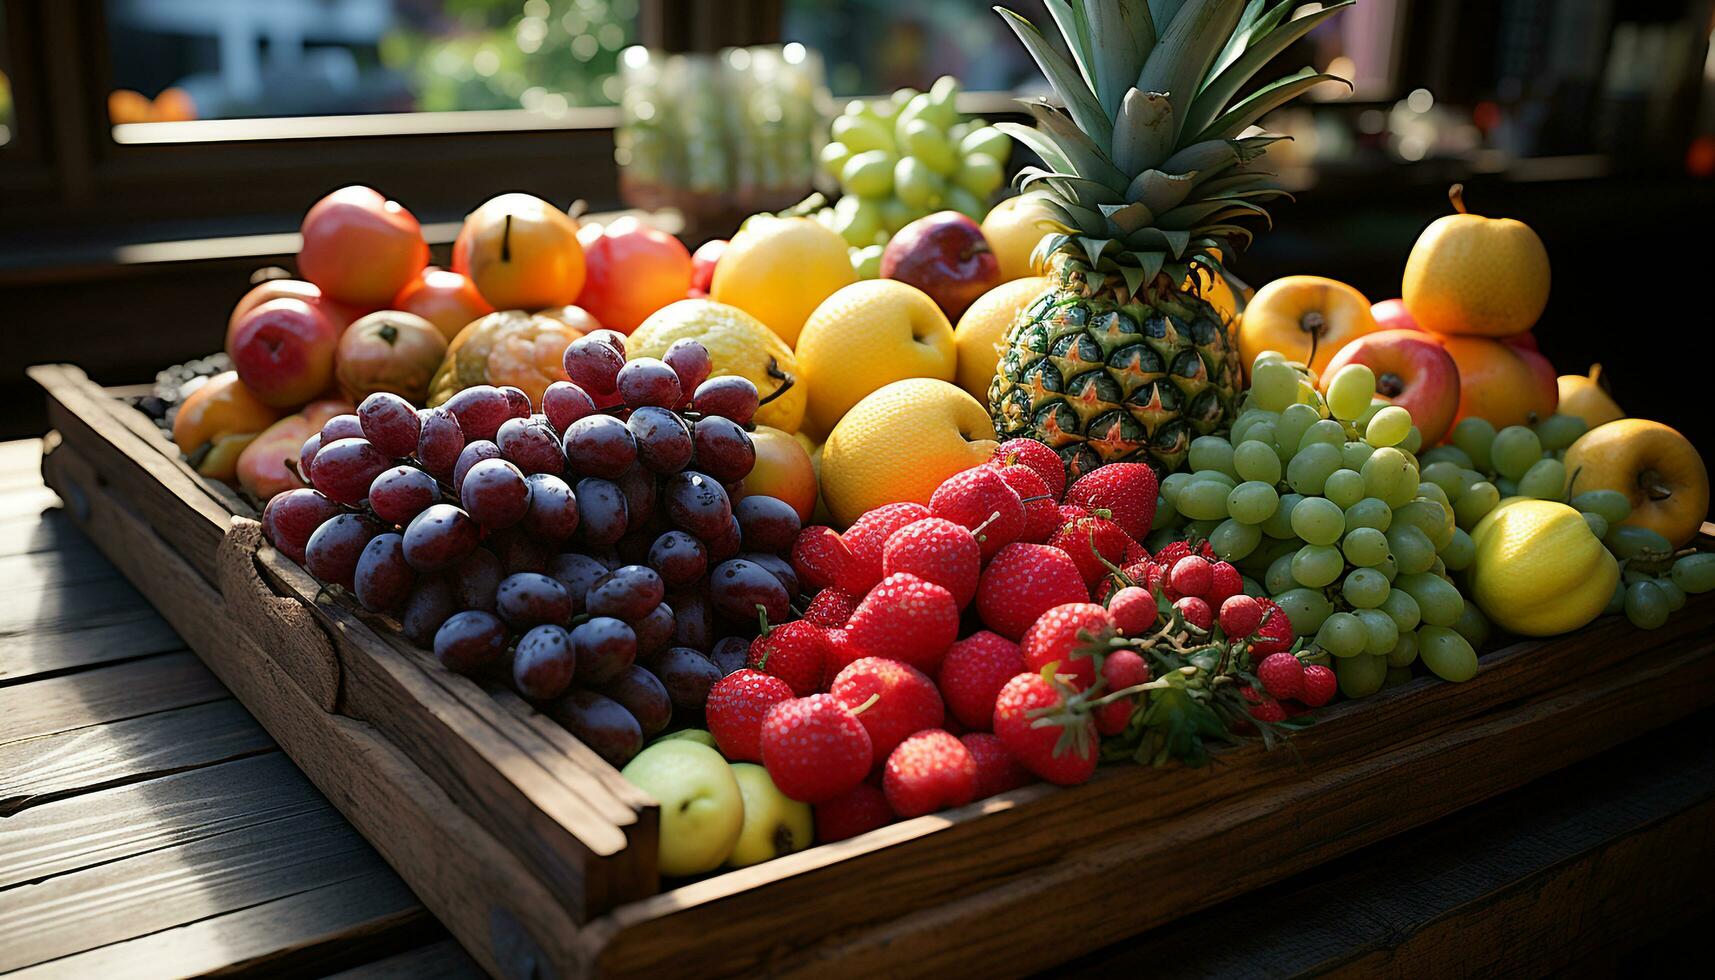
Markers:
point(1387, 473)
point(1695, 573)
point(1616, 602)
point(1165, 513)
point(1256, 461)
point(1675, 594)
point(1268, 356)
point(1279, 577)
point(1413, 440)
point(1342, 634)
point(1646, 605)
point(1474, 437)
point(1171, 484)
point(1445, 474)
point(1274, 385)
point(1203, 500)
point(1252, 501)
point(1459, 551)
point(1630, 575)
point(1250, 419)
point(1628, 541)
point(1308, 395)
point(1598, 525)
point(1253, 588)
point(1475, 504)
point(1472, 478)
point(1508, 488)
point(1438, 568)
point(1375, 405)
point(1200, 530)
point(1294, 422)
point(1232, 540)
point(1611, 504)
point(1360, 676)
point(1560, 431)
point(1354, 454)
point(1350, 391)
point(1365, 547)
point(1411, 548)
point(1473, 626)
point(1434, 492)
point(1309, 470)
point(1365, 588)
point(1545, 480)
point(1279, 523)
point(1380, 633)
point(1447, 454)
point(1514, 449)
point(1437, 599)
point(1263, 432)
point(1344, 487)
point(1306, 609)
point(1323, 430)
point(1317, 565)
point(1404, 652)
point(1389, 427)
point(1403, 609)
point(1211, 453)
point(1216, 476)
point(1370, 512)
point(1429, 517)
point(1389, 568)
point(1318, 521)
point(1447, 654)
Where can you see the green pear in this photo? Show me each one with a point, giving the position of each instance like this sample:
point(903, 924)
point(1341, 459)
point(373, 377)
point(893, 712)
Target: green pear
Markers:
point(702, 811)
point(773, 824)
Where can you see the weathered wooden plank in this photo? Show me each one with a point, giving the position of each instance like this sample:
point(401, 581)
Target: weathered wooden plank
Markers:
point(120, 635)
point(47, 531)
point(25, 502)
point(37, 770)
point(22, 576)
point(111, 693)
point(436, 961)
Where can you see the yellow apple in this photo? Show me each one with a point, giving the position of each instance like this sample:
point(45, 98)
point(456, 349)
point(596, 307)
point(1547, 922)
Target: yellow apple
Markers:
point(899, 443)
point(773, 824)
point(702, 810)
point(867, 335)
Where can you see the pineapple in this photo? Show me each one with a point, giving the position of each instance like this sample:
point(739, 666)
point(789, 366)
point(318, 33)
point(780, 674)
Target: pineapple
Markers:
point(1148, 171)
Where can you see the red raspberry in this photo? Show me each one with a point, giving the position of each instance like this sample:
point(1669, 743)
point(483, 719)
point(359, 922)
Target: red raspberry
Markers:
point(1171, 552)
point(980, 500)
point(975, 670)
point(997, 770)
point(1036, 456)
point(1121, 669)
point(795, 652)
point(1195, 611)
point(929, 771)
point(735, 708)
point(1282, 676)
point(857, 811)
point(815, 748)
point(906, 701)
point(1275, 630)
point(1133, 610)
point(831, 608)
point(1041, 514)
point(1066, 634)
point(864, 541)
point(939, 551)
point(907, 619)
point(1023, 582)
point(1191, 576)
point(1090, 540)
point(1319, 685)
point(1128, 491)
point(817, 554)
point(1239, 616)
point(1224, 581)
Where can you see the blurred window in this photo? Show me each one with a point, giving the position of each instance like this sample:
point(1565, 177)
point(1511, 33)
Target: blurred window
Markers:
point(876, 46)
point(176, 60)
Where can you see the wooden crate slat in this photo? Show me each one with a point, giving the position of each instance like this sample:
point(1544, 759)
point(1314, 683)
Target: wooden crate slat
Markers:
point(436, 961)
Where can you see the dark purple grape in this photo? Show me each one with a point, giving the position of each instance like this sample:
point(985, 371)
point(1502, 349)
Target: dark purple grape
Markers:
point(777, 566)
point(401, 493)
point(655, 630)
point(740, 589)
point(333, 550)
point(553, 513)
point(383, 579)
point(307, 457)
point(663, 439)
point(527, 599)
point(519, 550)
point(599, 445)
point(544, 663)
point(628, 592)
point(601, 512)
point(687, 675)
point(605, 648)
point(698, 504)
point(729, 396)
point(693, 620)
point(472, 454)
point(577, 572)
point(679, 557)
point(600, 723)
point(339, 427)
point(291, 517)
point(531, 444)
point(480, 409)
point(565, 403)
point(476, 579)
point(345, 468)
point(390, 422)
point(638, 485)
point(730, 654)
point(440, 537)
point(612, 338)
point(768, 523)
point(440, 443)
point(723, 449)
point(648, 381)
point(642, 694)
point(495, 494)
point(592, 363)
point(633, 548)
point(470, 640)
point(690, 361)
point(517, 401)
point(728, 544)
point(430, 604)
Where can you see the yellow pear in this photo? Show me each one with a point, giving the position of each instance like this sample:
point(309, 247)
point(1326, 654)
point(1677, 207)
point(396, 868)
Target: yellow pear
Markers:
point(978, 335)
point(1469, 274)
point(867, 335)
point(899, 443)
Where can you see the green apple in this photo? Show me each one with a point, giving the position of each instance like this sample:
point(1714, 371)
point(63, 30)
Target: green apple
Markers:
point(773, 824)
point(701, 809)
point(693, 734)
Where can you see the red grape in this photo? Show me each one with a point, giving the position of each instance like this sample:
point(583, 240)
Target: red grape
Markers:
point(401, 493)
point(429, 605)
point(565, 403)
point(519, 550)
point(638, 485)
point(577, 572)
point(307, 456)
point(472, 454)
point(517, 401)
point(476, 579)
point(693, 621)
point(690, 361)
point(390, 422)
point(553, 513)
point(730, 654)
point(601, 512)
point(592, 363)
point(440, 537)
point(332, 552)
point(529, 599)
point(291, 517)
point(345, 468)
point(544, 663)
point(724, 450)
point(480, 409)
point(740, 589)
point(641, 693)
point(383, 580)
point(599, 445)
point(728, 396)
point(440, 443)
point(605, 648)
point(495, 494)
point(628, 592)
point(680, 558)
point(698, 504)
point(777, 566)
point(612, 338)
point(663, 440)
point(470, 640)
point(728, 544)
point(655, 630)
point(340, 427)
point(531, 444)
point(769, 523)
point(600, 723)
point(686, 674)
point(648, 381)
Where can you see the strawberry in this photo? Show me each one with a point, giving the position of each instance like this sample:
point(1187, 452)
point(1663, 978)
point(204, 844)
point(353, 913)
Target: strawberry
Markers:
point(1268, 709)
point(735, 708)
point(1064, 635)
point(831, 608)
point(1134, 553)
point(1062, 750)
point(975, 670)
point(1121, 669)
point(859, 810)
point(1275, 630)
point(841, 654)
point(907, 619)
point(1133, 611)
point(936, 550)
point(864, 541)
point(952, 725)
point(1195, 611)
point(997, 770)
point(1089, 541)
point(1023, 582)
point(1036, 456)
point(1041, 514)
point(1239, 616)
point(817, 553)
point(900, 699)
point(929, 771)
point(1171, 552)
point(1191, 576)
point(1319, 685)
point(979, 499)
point(1224, 582)
point(1282, 676)
point(795, 652)
point(1127, 490)
point(815, 748)
point(1070, 513)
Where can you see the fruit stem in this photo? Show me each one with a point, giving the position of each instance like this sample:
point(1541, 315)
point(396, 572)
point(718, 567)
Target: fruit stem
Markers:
point(506, 240)
point(786, 382)
point(1650, 482)
point(1456, 194)
point(977, 532)
point(860, 709)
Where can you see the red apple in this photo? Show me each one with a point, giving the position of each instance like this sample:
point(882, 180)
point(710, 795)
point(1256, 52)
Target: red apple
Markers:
point(703, 263)
point(630, 271)
point(1523, 341)
point(262, 468)
point(946, 256)
point(448, 300)
point(1391, 314)
point(1413, 371)
point(361, 248)
point(283, 351)
point(339, 314)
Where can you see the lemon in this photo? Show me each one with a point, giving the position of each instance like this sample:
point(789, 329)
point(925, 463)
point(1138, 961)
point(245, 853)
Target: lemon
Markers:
point(1538, 569)
point(979, 332)
point(1013, 228)
point(899, 443)
point(867, 335)
point(779, 269)
point(738, 344)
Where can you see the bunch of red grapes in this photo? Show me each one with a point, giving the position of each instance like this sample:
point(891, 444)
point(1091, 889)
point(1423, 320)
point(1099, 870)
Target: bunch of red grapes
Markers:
point(598, 555)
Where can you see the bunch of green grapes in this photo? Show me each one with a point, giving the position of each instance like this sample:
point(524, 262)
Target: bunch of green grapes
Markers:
point(1654, 578)
point(1321, 503)
point(906, 156)
point(1519, 460)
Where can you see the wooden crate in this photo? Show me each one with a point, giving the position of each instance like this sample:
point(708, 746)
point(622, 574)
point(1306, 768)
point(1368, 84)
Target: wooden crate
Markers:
point(540, 858)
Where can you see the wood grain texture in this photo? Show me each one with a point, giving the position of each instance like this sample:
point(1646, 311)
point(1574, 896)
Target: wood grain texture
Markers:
point(282, 626)
point(53, 630)
point(139, 687)
point(436, 961)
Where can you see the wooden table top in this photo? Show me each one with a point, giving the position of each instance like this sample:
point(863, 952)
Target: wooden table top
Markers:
point(150, 827)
